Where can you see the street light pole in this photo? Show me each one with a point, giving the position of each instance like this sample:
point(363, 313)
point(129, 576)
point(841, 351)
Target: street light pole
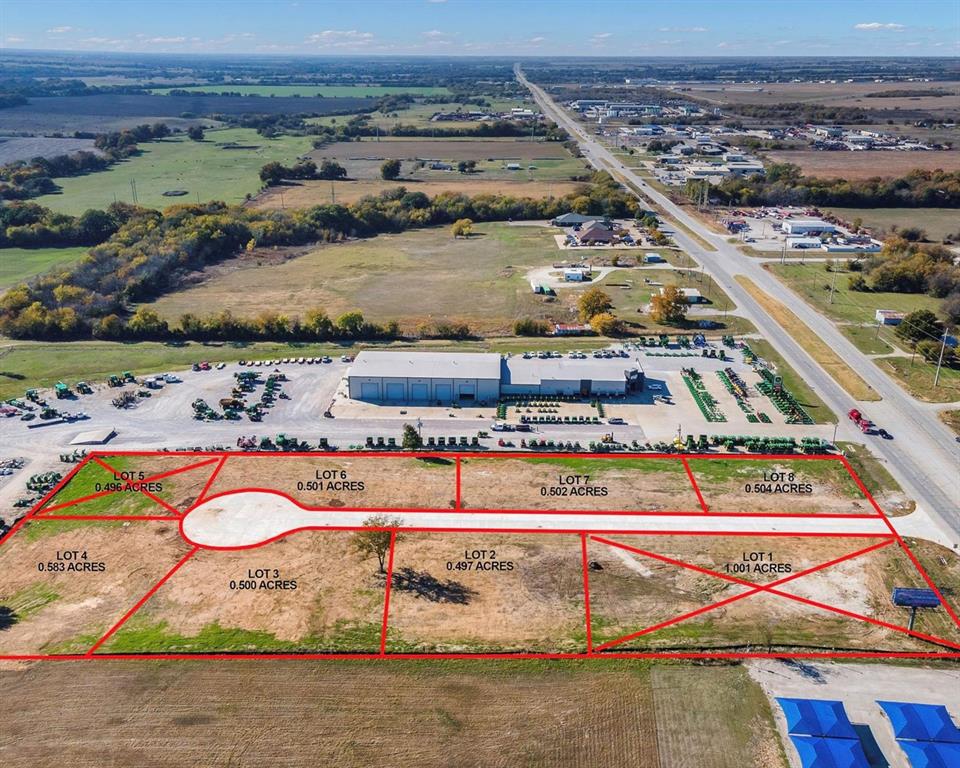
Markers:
point(943, 346)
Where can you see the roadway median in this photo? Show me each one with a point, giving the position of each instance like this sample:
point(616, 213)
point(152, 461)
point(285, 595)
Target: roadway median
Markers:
point(816, 347)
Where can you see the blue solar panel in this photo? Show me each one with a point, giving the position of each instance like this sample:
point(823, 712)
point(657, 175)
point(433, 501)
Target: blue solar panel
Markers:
point(921, 722)
point(813, 717)
point(915, 598)
point(817, 752)
point(931, 754)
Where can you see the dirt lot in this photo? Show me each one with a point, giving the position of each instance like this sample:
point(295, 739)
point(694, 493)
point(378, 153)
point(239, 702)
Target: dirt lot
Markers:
point(618, 484)
point(346, 482)
point(309, 592)
point(179, 490)
point(53, 611)
point(866, 165)
point(487, 592)
point(631, 591)
point(795, 487)
point(288, 714)
point(309, 193)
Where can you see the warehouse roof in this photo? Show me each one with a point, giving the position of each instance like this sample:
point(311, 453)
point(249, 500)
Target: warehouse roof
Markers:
point(433, 365)
point(517, 370)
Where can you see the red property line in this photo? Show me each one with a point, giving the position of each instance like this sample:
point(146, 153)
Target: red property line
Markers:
point(141, 601)
point(903, 544)
point(735, 598)
point(32, 514)
point(725, 655)
point(586, 592)
point(620, 455)
point(153, 497)
point(386, 596)
point(209, 484)
point(459, 496)
point(125, 518)
point(100, 494)
point(693, 482)
point(780, 593)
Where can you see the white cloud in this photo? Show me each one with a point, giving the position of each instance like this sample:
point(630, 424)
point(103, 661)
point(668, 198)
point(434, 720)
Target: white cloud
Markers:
point(874, 26)
point(59, 30)
point(436, 2)
point(165, 40)
point(14, 39)
point(600, 37)
point(340, 38)
point(683, 29)
point(536, 40)
point(435, 34)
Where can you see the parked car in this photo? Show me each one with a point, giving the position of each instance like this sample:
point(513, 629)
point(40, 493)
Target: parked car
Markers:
point(616, 420)
point(524, 428)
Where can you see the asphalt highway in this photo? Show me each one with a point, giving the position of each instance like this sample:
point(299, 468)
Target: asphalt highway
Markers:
point(923, 456)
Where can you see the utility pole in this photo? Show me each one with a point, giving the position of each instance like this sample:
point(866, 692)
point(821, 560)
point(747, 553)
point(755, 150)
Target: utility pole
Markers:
point(833, 285)
point(943, 346)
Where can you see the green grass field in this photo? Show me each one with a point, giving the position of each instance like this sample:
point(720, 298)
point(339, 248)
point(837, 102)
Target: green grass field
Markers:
point(206, 170)
point(19, 264)
point(937, 222)
point(813, 282)
point(40, 364)
point(338, 91)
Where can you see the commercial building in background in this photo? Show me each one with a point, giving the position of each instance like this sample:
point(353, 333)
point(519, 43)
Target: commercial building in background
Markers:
point(445, 378)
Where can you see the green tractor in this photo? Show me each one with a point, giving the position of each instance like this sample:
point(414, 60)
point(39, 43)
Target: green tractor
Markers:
point(62, 390)
point(83, 388)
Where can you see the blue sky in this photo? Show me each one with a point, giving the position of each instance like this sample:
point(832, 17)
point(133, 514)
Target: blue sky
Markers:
point(488, 27)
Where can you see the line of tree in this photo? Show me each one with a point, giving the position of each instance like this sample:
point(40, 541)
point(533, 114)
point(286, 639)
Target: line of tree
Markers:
point(785, 184)
point(152, 253)
point(275, 173)
point(30, 225)
point(24, 179)
point(909, 267)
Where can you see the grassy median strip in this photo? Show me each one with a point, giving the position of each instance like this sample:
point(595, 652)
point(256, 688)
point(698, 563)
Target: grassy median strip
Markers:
point(829, 360)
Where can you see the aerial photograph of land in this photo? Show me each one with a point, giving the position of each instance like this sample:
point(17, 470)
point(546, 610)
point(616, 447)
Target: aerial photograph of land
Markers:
point(466, 383)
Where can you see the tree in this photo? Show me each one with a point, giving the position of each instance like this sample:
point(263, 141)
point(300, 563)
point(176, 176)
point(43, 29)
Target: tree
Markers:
point(195, 132)
point(272, 173)
point(350, 323)
point(606, 324)
point(375, 538)
point(669, 306)
point(594, 301)
point(467, 166)
point(331, 170)
point(411, 439)
point(527, 326)
point(919, 325)
point(390, 170)
point(147, 324)
point(462, 227)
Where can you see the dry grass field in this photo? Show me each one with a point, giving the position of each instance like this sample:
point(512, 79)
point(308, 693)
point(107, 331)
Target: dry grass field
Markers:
point(487, 592)
point(630, 592)
point(317, 595)
point(309, 193)
point(865, 165)
point(616, 484)
point(346, 482)
point(59, 610)
point(830, 94)
point(501, 714)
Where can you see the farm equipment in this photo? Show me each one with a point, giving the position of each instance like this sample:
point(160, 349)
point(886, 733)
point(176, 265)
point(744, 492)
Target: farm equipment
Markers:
point(231, 403)
point(83, 388)
point(115, 381)
point(62, 390)
point(32, 395)
point(127, 377)
point(863, 423)
point(124, 400)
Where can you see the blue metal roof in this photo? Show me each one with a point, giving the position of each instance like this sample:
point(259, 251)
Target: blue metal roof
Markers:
point(921, 722)
point(817, 752)
point(911, 597)
point(931, 754)
point(813, 717)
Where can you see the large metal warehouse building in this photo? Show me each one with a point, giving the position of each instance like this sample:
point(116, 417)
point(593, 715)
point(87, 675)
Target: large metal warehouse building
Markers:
point(568, 376)
point(471, 377)
point(425, 377)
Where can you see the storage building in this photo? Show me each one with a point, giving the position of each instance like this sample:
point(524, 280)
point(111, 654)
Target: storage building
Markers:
point(425, 377)
point(807, 227)
point(569, 376)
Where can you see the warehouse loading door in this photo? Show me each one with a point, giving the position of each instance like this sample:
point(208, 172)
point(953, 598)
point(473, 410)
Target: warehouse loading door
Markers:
point(395, 391)
point(468, 392)
point(419, 392)
point(370, 391)
point(444, 392)
point(585, 386)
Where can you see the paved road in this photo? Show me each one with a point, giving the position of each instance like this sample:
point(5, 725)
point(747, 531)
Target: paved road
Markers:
point(924, 457)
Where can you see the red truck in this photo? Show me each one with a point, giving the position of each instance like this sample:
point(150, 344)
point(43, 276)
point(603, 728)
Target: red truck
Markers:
point(860, 420)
